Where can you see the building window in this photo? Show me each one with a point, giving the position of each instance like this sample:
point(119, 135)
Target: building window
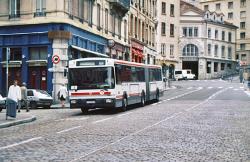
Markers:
point(139, 29)
point(216, 50)
point(136, 29)
point(230, 5)
point(163, 28)
point(216, 34)
point(242, 14)
point(172, 10)
point(113, 24)
point(223, 35)
point(229, 37)
point(88, 11)
point(125, 30)
point(106, 20)
point(98, 17)
point(143, 30)
point(243, 57)
point(215, 66)
point(119, 27)
point(190, 50)
point(40, 8)
point(184, 31)
point(229, 66)
point(163, 49)
point(38, 53)
point(209, 49)
point(222, 66)
point(171, 50)
point(230, 15)
point(163, 8)
point(223, 51)
point(217, 6)
point(209, 33)
point(229, 52)
point(195, 32)
point(242, 46)
point(242, 25)
point(131, 25)
point(242, 3)
point(206, 7)
point(171, 30)
point(14, 9)
point(190, 32)
point(242, 35)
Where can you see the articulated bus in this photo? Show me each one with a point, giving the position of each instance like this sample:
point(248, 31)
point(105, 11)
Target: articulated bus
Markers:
point(110, 83)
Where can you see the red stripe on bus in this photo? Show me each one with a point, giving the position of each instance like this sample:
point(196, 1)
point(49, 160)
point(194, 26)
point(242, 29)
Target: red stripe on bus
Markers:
point(89, 93)
point(134, 94)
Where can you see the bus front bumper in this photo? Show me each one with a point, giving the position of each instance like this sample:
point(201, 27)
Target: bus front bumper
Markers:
point(93, 103)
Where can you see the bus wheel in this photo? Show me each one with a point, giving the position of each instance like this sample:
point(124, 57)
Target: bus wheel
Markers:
point(124, 104)
point(142, 100)
point(157, 97)
point(84, 110)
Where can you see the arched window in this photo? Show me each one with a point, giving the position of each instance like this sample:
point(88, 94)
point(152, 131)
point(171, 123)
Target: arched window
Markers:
point(190, 50)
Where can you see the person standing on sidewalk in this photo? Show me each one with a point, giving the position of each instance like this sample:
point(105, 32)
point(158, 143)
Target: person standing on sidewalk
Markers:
point(15, 94)
point(24, 97)
point(62, 95)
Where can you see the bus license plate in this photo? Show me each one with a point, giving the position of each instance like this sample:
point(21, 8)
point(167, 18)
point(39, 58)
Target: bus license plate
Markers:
point(90, 102)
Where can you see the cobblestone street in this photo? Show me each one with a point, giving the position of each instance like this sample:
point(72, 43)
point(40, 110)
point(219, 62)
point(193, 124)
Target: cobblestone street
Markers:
point(204, 120)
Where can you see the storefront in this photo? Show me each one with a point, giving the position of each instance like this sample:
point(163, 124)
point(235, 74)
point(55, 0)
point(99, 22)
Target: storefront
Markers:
point(32, 48)
point(137, 52)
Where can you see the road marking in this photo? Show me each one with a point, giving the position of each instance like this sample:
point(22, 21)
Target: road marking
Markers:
point(160, 102)
point(67, 130)
point(130, 135)
point(248, 93)
point(230, 87)
point(209, 87)
point(209, 98)
point(190, 88)
point(99, 121)
point(220, 87)
point(154, 104)
point(235, 89)
point(73, 119)
point(182, 95)
point(200, 87)
point(241, 87)
point(124, 114)
point(20, 143)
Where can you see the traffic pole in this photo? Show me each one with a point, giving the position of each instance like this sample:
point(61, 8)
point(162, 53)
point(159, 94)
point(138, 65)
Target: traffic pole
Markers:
point(7, 77)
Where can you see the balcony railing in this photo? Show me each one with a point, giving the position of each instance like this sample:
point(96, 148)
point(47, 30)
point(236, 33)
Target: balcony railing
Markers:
point(120, 5)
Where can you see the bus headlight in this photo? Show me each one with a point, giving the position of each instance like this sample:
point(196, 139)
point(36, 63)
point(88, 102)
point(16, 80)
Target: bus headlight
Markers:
point(73, 101)
point(109, 100)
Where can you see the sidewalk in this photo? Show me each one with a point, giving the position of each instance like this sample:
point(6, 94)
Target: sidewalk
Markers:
point(21, 118)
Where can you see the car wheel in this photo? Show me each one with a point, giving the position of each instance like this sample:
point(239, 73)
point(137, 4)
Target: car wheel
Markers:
point(1, 109)
point(33, 105)
point(47, 107)
point(84, 110)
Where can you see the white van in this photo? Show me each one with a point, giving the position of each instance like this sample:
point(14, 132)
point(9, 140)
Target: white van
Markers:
point(184, 74)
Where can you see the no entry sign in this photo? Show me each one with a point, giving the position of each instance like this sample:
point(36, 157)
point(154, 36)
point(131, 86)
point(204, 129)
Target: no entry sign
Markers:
point(55, 59)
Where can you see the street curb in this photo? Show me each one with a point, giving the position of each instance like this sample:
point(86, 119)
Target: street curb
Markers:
point(18, 122)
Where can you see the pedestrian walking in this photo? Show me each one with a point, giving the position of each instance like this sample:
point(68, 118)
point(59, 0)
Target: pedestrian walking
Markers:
point(15, 94)
point(24, 96)
point(62, 95)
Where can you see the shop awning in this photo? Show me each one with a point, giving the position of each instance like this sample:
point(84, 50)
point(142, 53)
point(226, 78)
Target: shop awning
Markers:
point(88, 51)
point(137, 52)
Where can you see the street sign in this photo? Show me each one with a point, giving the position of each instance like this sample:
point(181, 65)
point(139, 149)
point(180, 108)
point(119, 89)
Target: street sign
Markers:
point(55, 59)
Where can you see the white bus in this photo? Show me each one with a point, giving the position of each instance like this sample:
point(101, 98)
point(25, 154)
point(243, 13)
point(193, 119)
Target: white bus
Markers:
point(110, 83)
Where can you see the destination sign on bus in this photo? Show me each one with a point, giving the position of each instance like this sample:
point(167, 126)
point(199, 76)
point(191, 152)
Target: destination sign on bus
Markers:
point(91, 63)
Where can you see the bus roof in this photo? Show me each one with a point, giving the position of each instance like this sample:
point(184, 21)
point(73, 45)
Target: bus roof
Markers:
point(111, 61)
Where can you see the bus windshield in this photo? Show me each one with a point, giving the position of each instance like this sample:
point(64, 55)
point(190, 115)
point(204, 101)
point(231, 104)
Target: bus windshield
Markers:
point(91, 78)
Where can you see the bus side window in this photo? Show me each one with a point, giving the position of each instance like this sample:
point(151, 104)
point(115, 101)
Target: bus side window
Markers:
point(118, 71)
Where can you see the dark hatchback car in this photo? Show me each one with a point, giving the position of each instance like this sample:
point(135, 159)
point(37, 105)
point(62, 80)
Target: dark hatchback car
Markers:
point(2, 103)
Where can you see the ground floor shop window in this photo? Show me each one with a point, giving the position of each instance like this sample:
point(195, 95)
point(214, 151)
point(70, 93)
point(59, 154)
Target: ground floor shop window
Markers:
point(216, 67)
point(208, 67)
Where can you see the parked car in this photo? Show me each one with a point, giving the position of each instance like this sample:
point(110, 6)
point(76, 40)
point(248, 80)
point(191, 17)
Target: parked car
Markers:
point(184, 74)
point(2, 103)
point(39, 98)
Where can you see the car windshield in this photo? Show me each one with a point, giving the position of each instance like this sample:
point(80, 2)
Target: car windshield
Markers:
point(178, 72)
point(43, 92)
point(91, 78)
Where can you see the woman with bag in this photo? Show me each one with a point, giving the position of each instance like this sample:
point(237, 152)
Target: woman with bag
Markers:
point(62, 95)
